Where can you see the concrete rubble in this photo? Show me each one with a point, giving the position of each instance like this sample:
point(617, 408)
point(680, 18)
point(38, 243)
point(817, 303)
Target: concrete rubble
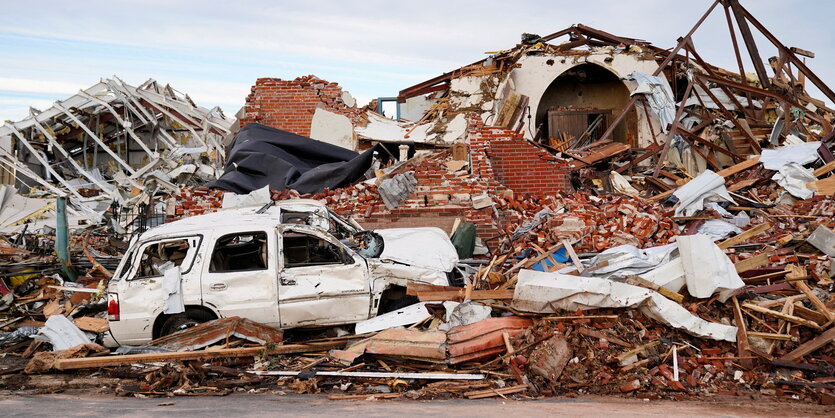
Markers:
point(580, 213)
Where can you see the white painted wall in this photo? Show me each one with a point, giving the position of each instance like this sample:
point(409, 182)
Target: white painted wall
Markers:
point(535, 74)
point(332, 128)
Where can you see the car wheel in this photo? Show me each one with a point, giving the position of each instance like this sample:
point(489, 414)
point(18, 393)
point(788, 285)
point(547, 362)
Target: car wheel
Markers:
point(183, 321)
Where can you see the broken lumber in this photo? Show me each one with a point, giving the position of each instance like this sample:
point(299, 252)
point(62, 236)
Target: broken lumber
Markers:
point(128, 359)
point(489, 393)
point(744, 236)
point(779, 315)
point(810, 346)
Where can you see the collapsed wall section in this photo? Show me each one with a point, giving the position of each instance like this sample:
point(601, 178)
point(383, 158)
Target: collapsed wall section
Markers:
point(292, 105)
point(506, 156)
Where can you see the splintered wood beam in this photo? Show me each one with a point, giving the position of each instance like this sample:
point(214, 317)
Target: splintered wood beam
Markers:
point(821, 340)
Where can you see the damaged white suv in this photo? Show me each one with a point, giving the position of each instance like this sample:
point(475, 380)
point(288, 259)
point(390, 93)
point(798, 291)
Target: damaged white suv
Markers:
point(289, 264)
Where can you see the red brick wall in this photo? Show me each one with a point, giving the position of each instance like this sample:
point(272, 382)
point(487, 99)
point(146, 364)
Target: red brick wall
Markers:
point(507, 157)
point(289, 104)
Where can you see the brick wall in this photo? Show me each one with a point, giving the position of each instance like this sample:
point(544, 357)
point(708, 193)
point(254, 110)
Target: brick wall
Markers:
point(289, 104)
point(504, 155)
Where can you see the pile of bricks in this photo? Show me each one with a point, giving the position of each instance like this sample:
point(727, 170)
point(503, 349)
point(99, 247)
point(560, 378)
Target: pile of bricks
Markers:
point(597, 222)
point(191, 202)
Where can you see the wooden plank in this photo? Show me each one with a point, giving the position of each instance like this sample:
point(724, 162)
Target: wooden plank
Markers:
point(736, 168)
point(770, 336)
point(743, 348)
point(806, 313)
point(642, 282)
point(779, 315)
point(128, 359)
point(825, 187)
point(779, 302)
point(810, 346)
point(588, 332)
point(740, 238)
point(824, 169)
point(754, 262)
point(461, 293)
point(819, 305)
point(489, 393)
point(571, 253)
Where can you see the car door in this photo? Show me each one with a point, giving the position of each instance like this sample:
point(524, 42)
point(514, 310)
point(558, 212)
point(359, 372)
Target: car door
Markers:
point(139, 285)
point(321, 282)
point(239, 275)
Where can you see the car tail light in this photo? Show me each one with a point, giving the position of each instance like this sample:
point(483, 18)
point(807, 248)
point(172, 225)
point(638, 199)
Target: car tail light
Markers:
point(112, 307)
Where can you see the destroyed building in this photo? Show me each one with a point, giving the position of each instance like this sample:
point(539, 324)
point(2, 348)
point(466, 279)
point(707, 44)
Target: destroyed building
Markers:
point(627, 219)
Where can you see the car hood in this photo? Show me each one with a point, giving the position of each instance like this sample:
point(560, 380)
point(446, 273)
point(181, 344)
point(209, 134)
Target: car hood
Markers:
point(420, 247)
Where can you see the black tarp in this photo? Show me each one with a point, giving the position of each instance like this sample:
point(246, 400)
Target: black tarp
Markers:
point(260, 155)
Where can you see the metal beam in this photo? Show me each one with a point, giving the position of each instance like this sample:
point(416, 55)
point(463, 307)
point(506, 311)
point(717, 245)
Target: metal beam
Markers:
point(95, 137)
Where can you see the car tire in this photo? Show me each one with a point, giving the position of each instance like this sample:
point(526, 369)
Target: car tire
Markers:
point(184, 320)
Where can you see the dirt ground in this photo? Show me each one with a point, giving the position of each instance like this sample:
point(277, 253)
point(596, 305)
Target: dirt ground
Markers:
point(85, 403)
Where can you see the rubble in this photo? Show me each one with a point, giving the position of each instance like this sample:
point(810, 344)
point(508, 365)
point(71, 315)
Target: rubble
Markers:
point(676, 242)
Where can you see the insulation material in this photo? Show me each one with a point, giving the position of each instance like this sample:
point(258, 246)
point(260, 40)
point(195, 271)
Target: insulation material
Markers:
point(553, 292)
point(692, 196)
point(707, 269)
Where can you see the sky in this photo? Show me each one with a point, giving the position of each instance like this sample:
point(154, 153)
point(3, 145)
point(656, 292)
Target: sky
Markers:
point(214, 51)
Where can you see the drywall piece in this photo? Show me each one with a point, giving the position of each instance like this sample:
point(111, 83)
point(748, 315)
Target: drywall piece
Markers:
point(542, 292)
point(172, 292)
point(332, 128)
point(706, 268)
point(823, 239)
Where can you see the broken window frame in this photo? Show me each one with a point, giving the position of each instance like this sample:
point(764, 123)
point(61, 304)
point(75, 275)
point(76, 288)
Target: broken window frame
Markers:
point(132, 266)
point(345, 258)
point(264, 254)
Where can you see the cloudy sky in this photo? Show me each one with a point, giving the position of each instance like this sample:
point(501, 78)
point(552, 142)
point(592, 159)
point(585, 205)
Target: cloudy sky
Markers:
point(215, 50)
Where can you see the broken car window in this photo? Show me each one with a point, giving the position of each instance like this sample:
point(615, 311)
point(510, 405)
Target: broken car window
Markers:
point(305, 250)
point(240, 252)
point(160, 256)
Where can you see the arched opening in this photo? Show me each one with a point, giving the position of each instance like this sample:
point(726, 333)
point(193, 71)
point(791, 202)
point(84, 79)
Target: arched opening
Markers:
point(579, 106)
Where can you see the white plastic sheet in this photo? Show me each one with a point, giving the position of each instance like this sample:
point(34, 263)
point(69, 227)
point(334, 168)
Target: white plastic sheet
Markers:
point(62, 333)
point(706, 268)
point(774, 159)
point(625, 260)
point(718, 229)
point(692, 195)
point(420, 247)
point(793, 177)
point(542, 292)
point(172, 292)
